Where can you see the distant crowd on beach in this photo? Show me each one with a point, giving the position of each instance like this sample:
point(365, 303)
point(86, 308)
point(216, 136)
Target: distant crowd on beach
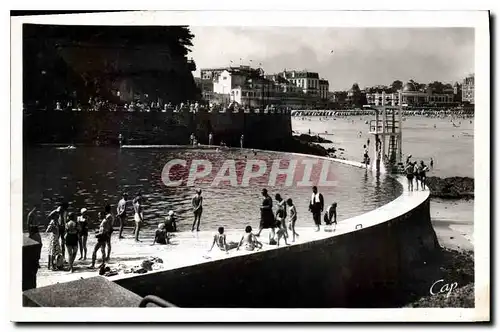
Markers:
point(69, 231)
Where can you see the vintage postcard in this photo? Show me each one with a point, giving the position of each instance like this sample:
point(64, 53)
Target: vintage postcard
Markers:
point(241, 166)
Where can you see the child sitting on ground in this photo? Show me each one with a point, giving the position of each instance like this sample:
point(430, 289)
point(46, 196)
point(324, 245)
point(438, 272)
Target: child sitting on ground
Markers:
point(293, 218)
point(249, 240)
point(161, 236)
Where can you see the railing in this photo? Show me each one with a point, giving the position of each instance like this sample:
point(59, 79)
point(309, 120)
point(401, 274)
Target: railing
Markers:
point(155, 300)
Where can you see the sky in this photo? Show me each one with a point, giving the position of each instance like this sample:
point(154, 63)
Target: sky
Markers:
point(343, 56)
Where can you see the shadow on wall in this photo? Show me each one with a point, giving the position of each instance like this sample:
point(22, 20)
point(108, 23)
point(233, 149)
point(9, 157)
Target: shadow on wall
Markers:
point(367, 268)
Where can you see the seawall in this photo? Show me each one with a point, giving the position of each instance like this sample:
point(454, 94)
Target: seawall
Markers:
point(367, 267)
point(72, 127)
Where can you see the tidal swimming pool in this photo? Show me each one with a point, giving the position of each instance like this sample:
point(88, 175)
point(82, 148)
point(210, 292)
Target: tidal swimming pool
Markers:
point(231, 181)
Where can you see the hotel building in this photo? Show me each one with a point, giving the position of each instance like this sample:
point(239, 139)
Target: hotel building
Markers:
point(468, 89)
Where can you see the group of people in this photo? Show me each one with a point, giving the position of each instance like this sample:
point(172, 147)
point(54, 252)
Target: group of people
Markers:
point(417, 171)
point(280, 222)
point(69, 231)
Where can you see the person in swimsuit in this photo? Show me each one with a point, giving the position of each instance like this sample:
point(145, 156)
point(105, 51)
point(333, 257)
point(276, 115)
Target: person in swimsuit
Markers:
point(432, 163)
point(121, 213)
point(293, 218)
point(101, 236)
point(197, 203)
point(54, 246)
point(409, 175)
point(34, 231)
point(423, 174)
point(330, 216)
point(249, 240)
point(138, 216)
point(316, 205)
point(267, 216)
point(109, 229)
point(83, 233)
point(170, 222)
point(71, 239)
point(220, 240)
point(161, 236)
point(281, 213)
point(416, 173)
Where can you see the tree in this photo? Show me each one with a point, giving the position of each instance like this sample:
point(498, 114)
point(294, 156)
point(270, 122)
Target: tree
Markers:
point(355, 88)
point(437, 87)
point(396, 85)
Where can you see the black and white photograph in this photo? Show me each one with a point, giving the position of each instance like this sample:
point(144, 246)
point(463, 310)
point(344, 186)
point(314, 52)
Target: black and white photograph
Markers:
point(178, 161)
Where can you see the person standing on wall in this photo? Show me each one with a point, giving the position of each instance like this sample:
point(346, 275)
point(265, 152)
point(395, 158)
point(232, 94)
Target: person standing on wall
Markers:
point(210, 139)
point(316, 206)
point(121, 213)
point(241, 140)
point(197, 203)
point(330, 216)
point(138, 216)
point(267, 215)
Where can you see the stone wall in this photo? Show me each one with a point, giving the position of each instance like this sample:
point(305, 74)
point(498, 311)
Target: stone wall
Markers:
point(364, 268)
point(68, 127)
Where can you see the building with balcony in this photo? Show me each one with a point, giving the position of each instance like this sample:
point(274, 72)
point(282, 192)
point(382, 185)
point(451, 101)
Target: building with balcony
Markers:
point(306, 80)
point(468, 89)
point(323, 89)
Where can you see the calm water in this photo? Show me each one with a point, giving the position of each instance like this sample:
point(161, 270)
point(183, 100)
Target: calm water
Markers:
point(90, 177)
point(452, 148)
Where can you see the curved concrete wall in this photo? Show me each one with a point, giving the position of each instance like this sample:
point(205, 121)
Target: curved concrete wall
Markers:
point(359, 268)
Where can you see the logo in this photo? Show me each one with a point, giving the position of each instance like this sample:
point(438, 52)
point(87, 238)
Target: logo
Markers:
point(249, 172)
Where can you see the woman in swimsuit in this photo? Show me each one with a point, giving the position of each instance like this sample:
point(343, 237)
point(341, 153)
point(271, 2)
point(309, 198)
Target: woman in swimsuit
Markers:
point(83, 233)
point(249, 240)
point(161, 236)
point(71, 239)
point(54, 246)
point(138, 216)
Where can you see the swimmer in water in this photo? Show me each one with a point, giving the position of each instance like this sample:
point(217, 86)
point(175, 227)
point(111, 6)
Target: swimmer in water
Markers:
point(249, 240)
point(71, 240)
